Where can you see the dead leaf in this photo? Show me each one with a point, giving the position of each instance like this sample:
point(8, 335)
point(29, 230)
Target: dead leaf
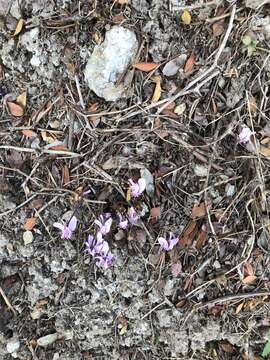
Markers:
point(226, 347)
point(186, 17)
point(36, 203)
point(59, 147)
point(19, 27)
point(198, 211)
point(29, 133)
point(181, 303)
point(201, 239)
point(189, 64)
point(66, 177)
point(218, 28)
point(157, 92)
point(239, 308)
point(123, 2)
point(21, 99)
point(146, 67)
point(248, 269)
point(15, 109)
point(265, 151)
point(187, 236)
point(30, 223)
point(251, 279)
point(187, 283)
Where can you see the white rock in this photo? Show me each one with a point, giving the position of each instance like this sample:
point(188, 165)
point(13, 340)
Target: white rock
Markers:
point(200, 170)
point(108, 61)
point(13, 345)
point(47, 340)
point(4, 6)
point(28, 237)
point(180, 109)
point(256, 4)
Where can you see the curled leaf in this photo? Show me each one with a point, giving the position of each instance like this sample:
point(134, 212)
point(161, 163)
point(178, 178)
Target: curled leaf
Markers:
point(19, 27)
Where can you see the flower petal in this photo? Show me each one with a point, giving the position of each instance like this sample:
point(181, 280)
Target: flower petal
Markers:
point(98, 223)
point(59, 226)
point(163, 243)
point(142, 185)
point(108, 224)
point(73, 223)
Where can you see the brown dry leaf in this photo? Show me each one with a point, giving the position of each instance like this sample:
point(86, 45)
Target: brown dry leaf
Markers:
point(218, 28)
point(201, 239)
point(186, 17)
point(157, 92)
point(22, 99)
point(29, 133)
point(170, 105)
point(59, 147)
point(189, 64)
point(198, 211)
point(36, 203)
point(181, 303)
point(15, 109)
point(30, 223)
point(265, 151)
point(239, 308)
point(248, 280)
point(66, 177)
point(187, 236)
point(146, 67)
point(248, 269)
point(226, 347)
point(19, 27)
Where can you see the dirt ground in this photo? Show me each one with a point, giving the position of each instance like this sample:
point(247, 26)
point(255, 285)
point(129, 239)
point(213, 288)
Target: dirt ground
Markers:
point(65, 151)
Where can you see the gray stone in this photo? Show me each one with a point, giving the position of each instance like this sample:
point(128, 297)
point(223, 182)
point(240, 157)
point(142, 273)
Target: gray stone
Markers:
point(108, 61)
point(173, 66)
point(47, 340)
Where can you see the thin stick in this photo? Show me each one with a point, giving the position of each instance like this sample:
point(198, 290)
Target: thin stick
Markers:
point(7, 301)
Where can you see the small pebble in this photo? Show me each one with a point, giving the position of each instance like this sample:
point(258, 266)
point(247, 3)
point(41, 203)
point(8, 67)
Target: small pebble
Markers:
point(28, 237)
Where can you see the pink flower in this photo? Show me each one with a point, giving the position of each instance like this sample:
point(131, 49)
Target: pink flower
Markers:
point(123, 222)
point(137, 188)
point(104, 261)
point(244, 136)
point(133, 216)
point(168, 244)
point(96, 246)
point(67, 230)
point(104, 223)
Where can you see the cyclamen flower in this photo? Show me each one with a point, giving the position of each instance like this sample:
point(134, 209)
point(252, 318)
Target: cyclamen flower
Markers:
point(244, 136)
point(123, 222)
point(137, 188)
point(133, 216)
point(168, 244)
point(104, 223)
point(67, 230)
point(104, 261)
point(96, 246)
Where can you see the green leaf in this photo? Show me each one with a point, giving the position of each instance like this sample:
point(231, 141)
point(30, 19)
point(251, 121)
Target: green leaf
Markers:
point(266, 350)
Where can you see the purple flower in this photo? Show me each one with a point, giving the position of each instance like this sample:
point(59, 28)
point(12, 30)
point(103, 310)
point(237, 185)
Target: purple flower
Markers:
point(104, 223)
point(67, 230)
point(104, 261)
point(123, 222)
point(244, 136)
point(168, 244)
point(97, 246)
point(137, 188)
point(133, 216)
